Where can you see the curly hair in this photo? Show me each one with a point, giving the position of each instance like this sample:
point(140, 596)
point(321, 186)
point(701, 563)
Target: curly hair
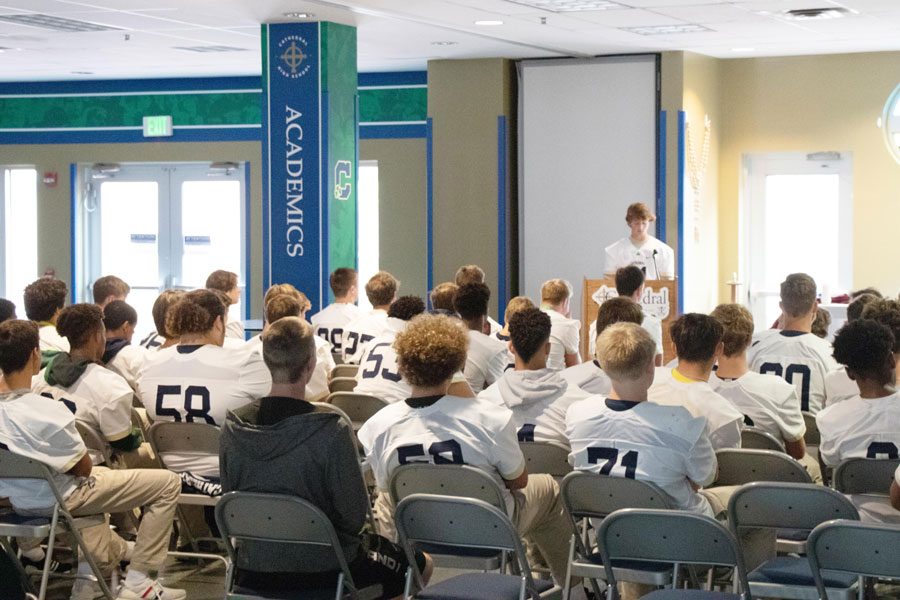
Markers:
point(516, 304)
point(281, 306)
point(798, 294)
point(18, 339)
point(341, 280)
point(431, 350)
point(406, 307)
point(382, 288)
point(737, 323)
point(529, 329)
point(628, 280)
point(117, 313)
point(865, 347)
point(858, 305)
point(625, 351)
point(109, 285)
point(617, 310)
point(469, 274)
point(821, 322)
point(79, 322)
point(442, 296)
point(44, 297)
point(471, 300)
point(886, 312)
point(696, 336)
point(196, 312)
point(161, 309)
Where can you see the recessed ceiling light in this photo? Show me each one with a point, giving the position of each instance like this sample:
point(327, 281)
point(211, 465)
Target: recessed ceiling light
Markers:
point(569, 5)
point(444, 43)
point(55, 23)
point(488, 23)
point(298, 15)
point(743, 49)
point(666, 29)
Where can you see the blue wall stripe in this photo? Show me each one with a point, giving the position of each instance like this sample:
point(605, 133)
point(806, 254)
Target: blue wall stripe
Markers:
point(429, 203)
point(356, 197)
point(682, 121)
point(108, 136)
point(186, 84)
point(248, 267)
point(393, 78)
point(373, 132)
point(73, 217)
point(661, 180)
point(325, 198)
point(502, 267)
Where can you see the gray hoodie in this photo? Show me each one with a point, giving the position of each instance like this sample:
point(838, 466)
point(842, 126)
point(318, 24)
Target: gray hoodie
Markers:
point(310, 455)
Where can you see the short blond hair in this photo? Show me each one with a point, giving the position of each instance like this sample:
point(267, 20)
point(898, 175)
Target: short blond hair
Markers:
point(282, 305)
point(287, 347)
point(556, 291)
point(638, 212)
point(624, 351)
point(382, 288)
point(431, 349)
point(442, 296)
point(281, 288)
point(469, 274)
point(517, 304)
point(738, 324)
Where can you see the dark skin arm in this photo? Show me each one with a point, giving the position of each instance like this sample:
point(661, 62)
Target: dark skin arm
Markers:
point(82, 468)
point(895, 495)
point(518, 483)
point(796, 449)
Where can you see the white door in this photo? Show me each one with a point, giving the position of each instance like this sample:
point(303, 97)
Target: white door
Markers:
point(162, 226)
point(797, 216)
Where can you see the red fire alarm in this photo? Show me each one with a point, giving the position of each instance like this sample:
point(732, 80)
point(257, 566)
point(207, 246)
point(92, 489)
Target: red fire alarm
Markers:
point(50, 179)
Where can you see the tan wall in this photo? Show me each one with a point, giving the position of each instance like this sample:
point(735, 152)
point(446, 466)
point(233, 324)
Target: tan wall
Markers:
point(671, 98)
point(807, 104)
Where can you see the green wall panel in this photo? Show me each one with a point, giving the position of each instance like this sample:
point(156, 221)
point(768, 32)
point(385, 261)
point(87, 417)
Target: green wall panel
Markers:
point(395, 104)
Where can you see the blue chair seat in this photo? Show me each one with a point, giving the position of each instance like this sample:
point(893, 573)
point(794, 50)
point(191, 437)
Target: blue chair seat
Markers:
point(633, 565)
point(480, 586)
point(689, 595)
point(788, 570)
point(793, 535)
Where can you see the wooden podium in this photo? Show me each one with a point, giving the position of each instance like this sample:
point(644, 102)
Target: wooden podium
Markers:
point(660, 299)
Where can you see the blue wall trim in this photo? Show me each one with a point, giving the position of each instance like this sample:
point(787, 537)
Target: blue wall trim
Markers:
point(379, 132)
point(682, 121)
point(113, 136)
point(73, 217)
point(325, 203)
point(393, 78)
point(502, 267)
point(248, 267)
point(429, 204)
point(661, 180)
point(186, 84)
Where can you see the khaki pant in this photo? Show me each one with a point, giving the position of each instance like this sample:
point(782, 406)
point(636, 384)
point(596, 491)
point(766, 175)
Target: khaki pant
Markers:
point(116, 491)
point(811, 464)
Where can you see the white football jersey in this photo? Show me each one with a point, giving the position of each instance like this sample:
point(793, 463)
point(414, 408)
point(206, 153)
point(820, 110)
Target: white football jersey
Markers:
point(101, 400)
point(510, 357)
point(359, 332)
point(50, 340)
point(651, 325)
point(802, 359)
point(200, 385)
point(624, 253)
point(494, 325)
point(538, 400)
point(839, 387)
point(723, 420)
point(486, 360)
point(153, 340)
point(451, 431)
point(317, 386)
point(664, 445)
point(330, 321)
point(860, 428)
point(564, 339)
point(769, 403)
point(234, 326)
point(589, 377)
point(44, 430)
point(128, 363)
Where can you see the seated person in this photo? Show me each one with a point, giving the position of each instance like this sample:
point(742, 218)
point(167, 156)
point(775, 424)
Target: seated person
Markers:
point(698, 344)
point(330, 321)
point(588, 375)
point(381, 289)
point(7, 310)
point(537, 396)
point(515, 304)
point(109, 288)
point(630, 284)
point(821, 323)
point(160, 339)
point(487, 356)
point(555, 296)
point(442, 298)
point(44, 430)
point(475, 274)
point(121, 357)
point(838, 386)
point(44, 298)
point(227, 283)
point(624, 435)
point(283, 444)
point(432, 426)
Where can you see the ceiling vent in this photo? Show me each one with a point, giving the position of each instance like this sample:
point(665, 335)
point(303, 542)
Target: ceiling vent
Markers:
point(808, 14)
point(667, 29)
point(211, 48)
point(55, 23)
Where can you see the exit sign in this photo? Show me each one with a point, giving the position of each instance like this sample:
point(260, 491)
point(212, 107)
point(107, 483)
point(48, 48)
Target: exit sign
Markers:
point(158, 126)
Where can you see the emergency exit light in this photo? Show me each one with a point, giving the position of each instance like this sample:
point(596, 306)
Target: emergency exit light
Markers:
point(158, 126)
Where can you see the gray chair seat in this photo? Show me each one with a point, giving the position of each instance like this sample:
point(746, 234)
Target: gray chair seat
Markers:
point(632, 565)
point(480, 586)
point(456, 551)
point(788, 570)
point(315, 594)
point(690, 595)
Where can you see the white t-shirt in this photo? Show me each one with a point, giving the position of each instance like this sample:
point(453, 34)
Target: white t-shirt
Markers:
point(494, 325)
point(589, 377)
point(44, 430)
point(359, 332)
point(802, 359)
point(485, 361)
point(330, 321)
point(234, 327)
point(664, 445)
point(51, 340)
point(651, 325)
point(769, 402)
point(102, 402)
point(128, 363)
point(624, 253)
point(200, 384)
point(723, 420)
point(317, 386)
point(839, 387)
point(538, 400)
point(510, 357)
point(860, 428)
point(453, 430)
point(563, 339)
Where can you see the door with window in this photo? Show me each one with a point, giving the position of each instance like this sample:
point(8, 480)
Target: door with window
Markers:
point(797, 216)
point(162, 226)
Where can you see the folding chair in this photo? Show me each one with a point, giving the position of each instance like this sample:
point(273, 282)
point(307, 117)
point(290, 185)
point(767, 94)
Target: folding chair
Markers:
point(289, 521)
point(754, 438)
point(861, 549)
point(737, 467)
point(546, 457)
point(13, 466)
point(675, 537)
point(342, 384)
point(95, 442)
point(592, 496)
point(466, 523)
point(865, 475)
point(359, 407)
point(451, 480)
point(338, 357)
point(341, 370)
point(768, 505)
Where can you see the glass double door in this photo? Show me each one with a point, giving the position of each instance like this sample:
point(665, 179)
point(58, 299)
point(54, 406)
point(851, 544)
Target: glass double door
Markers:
point(163, 226)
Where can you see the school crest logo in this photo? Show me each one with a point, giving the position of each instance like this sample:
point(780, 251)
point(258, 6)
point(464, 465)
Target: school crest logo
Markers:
point(294, 60)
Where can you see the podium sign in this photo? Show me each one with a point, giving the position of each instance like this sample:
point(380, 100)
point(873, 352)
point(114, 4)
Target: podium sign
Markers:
point(660, 300)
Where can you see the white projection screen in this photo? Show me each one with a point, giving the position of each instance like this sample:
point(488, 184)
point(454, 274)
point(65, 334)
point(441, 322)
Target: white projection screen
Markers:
point(587, 149)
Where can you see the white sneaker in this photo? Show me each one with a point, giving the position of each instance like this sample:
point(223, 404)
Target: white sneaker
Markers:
point(85, 589)
point(153, 590)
